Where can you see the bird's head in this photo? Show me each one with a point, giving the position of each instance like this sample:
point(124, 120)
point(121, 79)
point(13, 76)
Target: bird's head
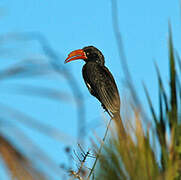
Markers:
point(89, 53)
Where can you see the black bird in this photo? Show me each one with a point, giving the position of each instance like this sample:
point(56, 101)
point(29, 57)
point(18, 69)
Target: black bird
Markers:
point(98, 78)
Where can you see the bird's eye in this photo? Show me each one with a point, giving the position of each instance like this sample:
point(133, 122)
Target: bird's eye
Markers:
point(88, 53)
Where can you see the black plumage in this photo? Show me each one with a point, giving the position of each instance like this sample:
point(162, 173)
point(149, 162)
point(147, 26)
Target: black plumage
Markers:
point(98, 78)
point(101, 84)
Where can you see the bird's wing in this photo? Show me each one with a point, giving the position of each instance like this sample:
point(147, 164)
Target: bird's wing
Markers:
point(101, 84)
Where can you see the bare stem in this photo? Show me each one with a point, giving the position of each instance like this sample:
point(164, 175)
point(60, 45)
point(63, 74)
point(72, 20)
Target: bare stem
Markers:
point(99, 151)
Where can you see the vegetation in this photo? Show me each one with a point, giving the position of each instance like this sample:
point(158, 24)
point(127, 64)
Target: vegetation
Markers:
point(137, 156)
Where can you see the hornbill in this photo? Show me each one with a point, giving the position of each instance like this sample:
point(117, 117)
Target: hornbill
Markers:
point(98, 78)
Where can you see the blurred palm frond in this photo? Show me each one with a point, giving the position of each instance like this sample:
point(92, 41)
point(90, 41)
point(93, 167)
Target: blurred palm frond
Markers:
point(35, 164)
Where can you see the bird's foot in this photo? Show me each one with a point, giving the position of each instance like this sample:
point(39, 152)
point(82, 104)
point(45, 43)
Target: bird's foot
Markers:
point(105, 109)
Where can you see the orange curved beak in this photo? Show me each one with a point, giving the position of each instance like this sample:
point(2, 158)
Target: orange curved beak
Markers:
point(77, 54)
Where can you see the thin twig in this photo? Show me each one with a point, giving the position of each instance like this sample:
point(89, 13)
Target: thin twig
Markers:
point(99, 151)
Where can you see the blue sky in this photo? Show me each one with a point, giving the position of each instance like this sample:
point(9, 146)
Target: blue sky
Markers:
point(70, 25)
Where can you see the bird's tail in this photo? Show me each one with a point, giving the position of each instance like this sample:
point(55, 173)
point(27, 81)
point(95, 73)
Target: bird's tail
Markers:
point(119, 123)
